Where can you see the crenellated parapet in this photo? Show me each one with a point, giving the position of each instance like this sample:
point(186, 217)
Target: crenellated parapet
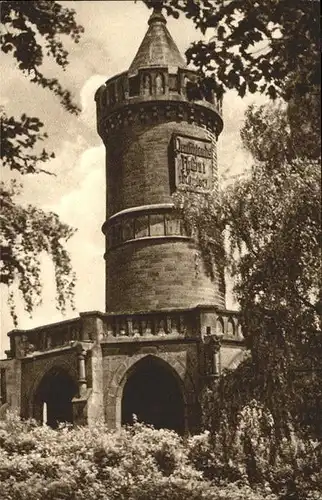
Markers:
point(154, 94)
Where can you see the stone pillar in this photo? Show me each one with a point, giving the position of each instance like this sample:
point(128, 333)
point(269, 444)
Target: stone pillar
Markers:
point(82, 383)
point(44, 413)
point(95, 406)
point(92, 327)
point(2, 386)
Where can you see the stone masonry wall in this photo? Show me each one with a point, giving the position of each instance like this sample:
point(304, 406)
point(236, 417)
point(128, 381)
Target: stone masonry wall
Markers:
point(11, 371)
point(33, 370)
point(118, 363)
point(138, 163)
point(166, 273)
point(162, 274)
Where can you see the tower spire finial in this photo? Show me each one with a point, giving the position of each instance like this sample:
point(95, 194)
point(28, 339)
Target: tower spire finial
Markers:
point(157, 12)
point(157, 5)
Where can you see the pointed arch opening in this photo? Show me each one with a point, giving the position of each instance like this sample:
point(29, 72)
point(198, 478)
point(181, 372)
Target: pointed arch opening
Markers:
point(153, 394)
point(220, 329)
point(160, 83)
point(147, 85)
point(230, 327)
point(53, 398)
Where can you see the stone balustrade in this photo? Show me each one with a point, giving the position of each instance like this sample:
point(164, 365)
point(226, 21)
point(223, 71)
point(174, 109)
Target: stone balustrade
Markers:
point(191, 323)
point(146, 325)
point(45, 338)
point(223, 323)
point(95, 326)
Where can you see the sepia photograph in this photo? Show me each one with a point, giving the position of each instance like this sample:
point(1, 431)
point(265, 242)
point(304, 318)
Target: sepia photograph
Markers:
point(160, 250)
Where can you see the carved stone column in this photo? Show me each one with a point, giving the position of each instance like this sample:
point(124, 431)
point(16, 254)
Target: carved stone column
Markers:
point(82, 383)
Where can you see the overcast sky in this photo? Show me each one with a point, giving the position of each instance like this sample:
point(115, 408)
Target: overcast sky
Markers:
point(113, 32)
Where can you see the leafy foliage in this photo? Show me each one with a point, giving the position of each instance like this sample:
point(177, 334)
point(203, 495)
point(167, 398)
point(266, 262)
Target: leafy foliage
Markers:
point(272, 218)
point(275, 225)
point(291, 469)
point(27, 232)
point(18, 140)
point(268, 47)
point(200, 215)
point(137, 463)
point(32, 31)
point(276, 221)
point(141, 463)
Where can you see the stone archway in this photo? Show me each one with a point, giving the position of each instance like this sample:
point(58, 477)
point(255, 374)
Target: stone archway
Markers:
point(53, 398)
point(153, 393)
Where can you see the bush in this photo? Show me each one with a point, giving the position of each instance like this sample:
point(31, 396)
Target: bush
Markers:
point(135, 463)
point(247, 452)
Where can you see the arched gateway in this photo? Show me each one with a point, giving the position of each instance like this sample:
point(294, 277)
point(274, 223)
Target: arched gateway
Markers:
point(53, 398)
point(152, 393)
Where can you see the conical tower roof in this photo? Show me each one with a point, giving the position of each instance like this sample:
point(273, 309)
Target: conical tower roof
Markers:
point(158, 48)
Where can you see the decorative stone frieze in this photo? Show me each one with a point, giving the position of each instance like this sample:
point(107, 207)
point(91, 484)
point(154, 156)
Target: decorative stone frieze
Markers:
point(161, 111)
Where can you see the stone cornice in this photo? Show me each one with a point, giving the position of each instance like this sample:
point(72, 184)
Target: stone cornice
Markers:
point(147, 113)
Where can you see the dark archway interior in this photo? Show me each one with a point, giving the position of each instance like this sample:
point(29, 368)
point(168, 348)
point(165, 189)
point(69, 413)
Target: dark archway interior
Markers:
point(152, 393)
point(56, 389)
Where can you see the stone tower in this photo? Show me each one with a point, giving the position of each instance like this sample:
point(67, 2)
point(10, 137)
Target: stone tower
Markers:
point(165, 331)
point(157, 141)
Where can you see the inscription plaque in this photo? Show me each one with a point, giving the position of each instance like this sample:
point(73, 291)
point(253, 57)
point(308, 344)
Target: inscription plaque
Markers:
point(192, 163)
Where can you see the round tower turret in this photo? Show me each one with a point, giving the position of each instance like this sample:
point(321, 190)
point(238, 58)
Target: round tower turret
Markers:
point(157, 141)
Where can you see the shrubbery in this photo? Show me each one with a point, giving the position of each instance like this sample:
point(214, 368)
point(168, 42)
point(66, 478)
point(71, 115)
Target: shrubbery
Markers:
point(138, 463)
